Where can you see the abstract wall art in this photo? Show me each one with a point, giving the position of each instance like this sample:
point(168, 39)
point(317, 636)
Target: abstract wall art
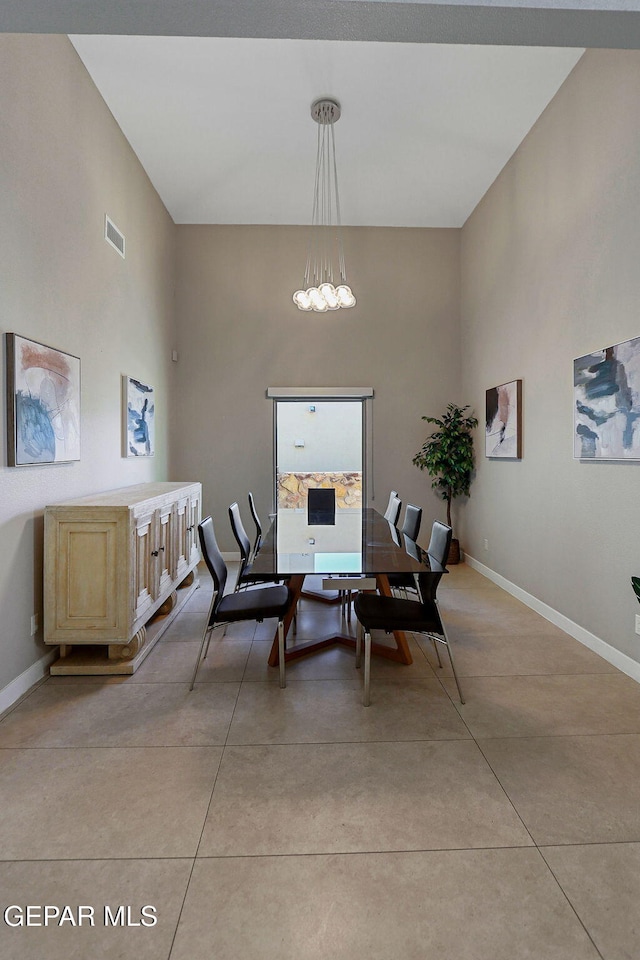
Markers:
point(43, 403)
point(606, 387)
point(503, 430)
point(139, 411)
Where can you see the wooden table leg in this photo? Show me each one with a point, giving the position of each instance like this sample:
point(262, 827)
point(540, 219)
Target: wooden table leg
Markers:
point(295, 584)
point(400, 653)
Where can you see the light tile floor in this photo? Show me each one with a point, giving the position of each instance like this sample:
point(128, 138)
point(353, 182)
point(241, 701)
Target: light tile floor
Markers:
point(269, 824)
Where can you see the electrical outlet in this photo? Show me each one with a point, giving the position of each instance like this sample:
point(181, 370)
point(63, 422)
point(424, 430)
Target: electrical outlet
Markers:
point(34, 624)
point(485, 544)
point(637, 622)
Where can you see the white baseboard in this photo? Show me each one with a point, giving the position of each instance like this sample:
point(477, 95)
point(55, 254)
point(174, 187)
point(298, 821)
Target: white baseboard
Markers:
point(22, 684)
point(615, 657)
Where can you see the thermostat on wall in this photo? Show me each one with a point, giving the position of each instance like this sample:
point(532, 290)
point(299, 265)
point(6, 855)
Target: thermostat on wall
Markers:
point(298, 443)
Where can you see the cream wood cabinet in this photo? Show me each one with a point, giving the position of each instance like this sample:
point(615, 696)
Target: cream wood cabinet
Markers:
point(112, 563)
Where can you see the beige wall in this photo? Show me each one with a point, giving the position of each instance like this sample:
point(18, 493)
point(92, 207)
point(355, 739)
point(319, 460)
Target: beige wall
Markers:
point(550, 269)
point(64, 163)
point(239, 333)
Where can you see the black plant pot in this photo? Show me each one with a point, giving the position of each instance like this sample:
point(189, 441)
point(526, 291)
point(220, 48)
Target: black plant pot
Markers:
point(454, 552)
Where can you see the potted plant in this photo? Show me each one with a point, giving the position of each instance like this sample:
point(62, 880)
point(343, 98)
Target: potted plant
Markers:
point(447, 455)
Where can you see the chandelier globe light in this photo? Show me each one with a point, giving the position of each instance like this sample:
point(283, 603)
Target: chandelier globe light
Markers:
point(319, 291)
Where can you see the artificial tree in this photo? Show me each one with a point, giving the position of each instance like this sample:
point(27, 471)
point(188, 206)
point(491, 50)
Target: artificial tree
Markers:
point(447, 455)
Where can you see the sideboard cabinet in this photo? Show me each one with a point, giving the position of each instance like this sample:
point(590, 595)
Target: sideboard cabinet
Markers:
point(112, 562)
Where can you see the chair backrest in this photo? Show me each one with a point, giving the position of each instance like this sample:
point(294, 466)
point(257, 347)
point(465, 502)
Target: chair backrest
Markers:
point(392, 513)
point(412, 521)
point(438, 552)
point(240, 534)
point(440, 542)
point(392, 495)
point(256, 520)
point(321, 505)
point(213, 558)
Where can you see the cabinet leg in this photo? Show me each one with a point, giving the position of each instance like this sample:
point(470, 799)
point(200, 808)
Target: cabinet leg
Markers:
point(127, 651)
point(168, 605)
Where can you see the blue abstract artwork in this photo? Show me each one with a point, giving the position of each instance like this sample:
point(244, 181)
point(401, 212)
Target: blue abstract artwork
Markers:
point(43, 388)
point(139, 426)
point(607, 403)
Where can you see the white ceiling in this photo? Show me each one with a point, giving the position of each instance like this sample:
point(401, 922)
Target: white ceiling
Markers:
point(223, 129)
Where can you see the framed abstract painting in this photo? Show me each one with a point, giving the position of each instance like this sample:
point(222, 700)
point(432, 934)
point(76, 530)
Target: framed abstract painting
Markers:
point(503, 422)
point(139, 412)
point(606, 389)
point(43, 403)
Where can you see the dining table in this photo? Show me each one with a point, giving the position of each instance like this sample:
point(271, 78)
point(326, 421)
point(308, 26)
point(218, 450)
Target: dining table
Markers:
point(358, 550)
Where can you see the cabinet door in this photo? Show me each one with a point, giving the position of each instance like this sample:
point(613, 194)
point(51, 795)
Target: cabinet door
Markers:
point(146, 566)
point(86, 584)
point(193, 544)
point(182, 538)
point(164, 548)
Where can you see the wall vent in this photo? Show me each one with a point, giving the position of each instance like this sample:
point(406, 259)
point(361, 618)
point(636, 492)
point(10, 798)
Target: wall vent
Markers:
point(113, 236)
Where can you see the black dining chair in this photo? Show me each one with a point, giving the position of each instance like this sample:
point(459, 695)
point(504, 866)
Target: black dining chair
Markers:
point(260, 604)
point(392, 513)
point(244, 578)
point(416, 616)
point(412, 520)
point(256, 519)
point(242, 539)
point(410, 528)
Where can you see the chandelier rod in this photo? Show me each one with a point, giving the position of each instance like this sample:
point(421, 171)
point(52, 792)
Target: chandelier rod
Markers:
point(341, 261)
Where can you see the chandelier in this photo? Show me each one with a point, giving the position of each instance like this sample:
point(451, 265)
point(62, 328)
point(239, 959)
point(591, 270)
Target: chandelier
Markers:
point(322, 289)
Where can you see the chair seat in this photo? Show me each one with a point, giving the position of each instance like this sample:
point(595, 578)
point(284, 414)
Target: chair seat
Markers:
point(402, 580)
point(389, 613)
point(253, 605)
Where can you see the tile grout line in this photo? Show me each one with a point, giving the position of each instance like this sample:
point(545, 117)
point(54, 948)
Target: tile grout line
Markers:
point(204, 822)
point(195, 856)
point(186, 890)
point(539, 851)
point(289, 743)
point(567, 898)
point(539, 848)
point(508, 798)
point(399, 852)
point(328, 853)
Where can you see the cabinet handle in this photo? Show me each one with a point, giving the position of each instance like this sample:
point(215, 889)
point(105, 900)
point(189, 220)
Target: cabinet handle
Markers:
point(162, 548)
point(154, 553)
